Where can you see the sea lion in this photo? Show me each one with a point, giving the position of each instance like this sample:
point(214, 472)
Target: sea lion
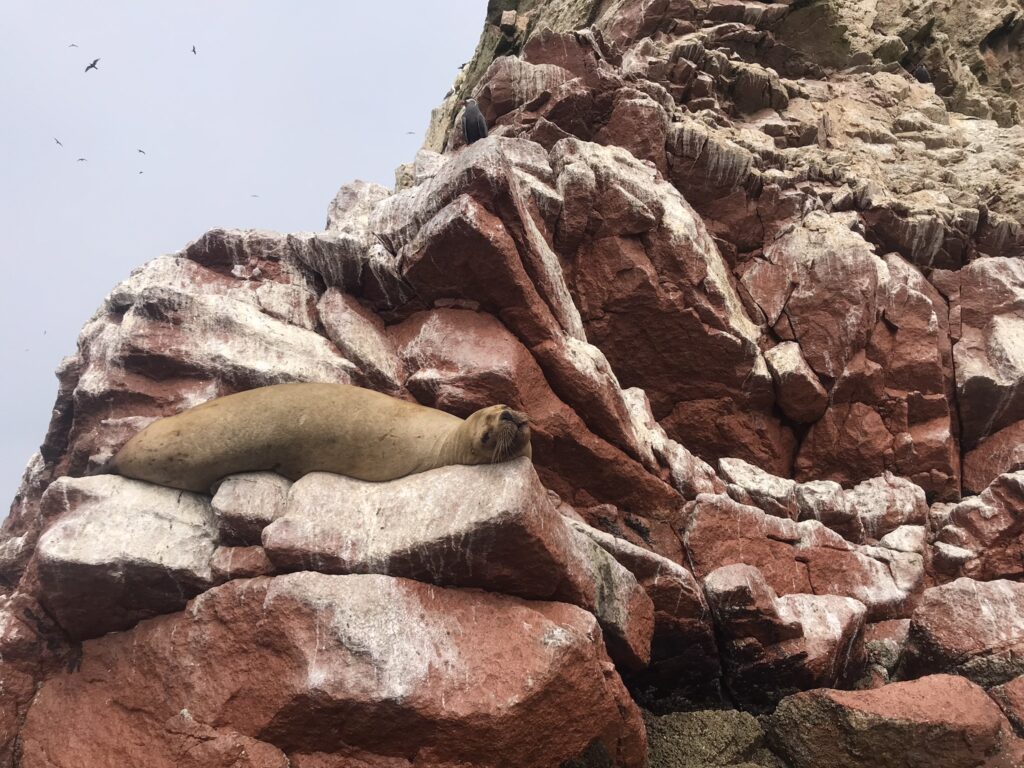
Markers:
point(294, 429)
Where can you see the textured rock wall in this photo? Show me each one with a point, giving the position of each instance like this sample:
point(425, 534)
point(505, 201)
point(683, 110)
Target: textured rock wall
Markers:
point(760, 292)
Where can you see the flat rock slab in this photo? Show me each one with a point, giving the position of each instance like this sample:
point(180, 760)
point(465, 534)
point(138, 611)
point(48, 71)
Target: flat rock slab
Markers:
point(970, 628)
point(120, 551)
point(491, 527)
point(940, 721)
point(308, 663)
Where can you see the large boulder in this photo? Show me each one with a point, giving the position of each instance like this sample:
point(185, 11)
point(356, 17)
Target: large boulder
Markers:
point(492, 527)
point(970, 628)
point(120, 551)
point(772, 646)
point(940, 721)
point(990, 530)
point(309, 663)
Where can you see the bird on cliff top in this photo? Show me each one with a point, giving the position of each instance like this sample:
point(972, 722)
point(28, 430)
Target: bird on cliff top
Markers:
point(93, 65)
point(922, 75)
point(473, 124)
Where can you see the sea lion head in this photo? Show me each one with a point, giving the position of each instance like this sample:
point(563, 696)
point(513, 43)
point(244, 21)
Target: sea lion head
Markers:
point(497, 433)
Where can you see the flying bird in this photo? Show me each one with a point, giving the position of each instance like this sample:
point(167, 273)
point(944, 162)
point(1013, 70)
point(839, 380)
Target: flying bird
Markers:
point(473, 124)
point(82, 160)
point(73, 45)
point(58, 141)
point(141, 151)
point(140, 173)
point(93, 65)
point(253, 195)
point(193, 50)
point(410, 133)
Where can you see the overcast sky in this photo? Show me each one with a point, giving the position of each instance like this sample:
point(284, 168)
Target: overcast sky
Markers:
point(284, 100)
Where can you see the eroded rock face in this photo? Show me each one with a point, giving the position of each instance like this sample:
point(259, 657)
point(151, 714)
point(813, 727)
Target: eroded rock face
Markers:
point(969, 628)
point(461, 526)
point(775, 645)
point(940, 720)
point(380, 664)
point(122, 550)
point(758, 289)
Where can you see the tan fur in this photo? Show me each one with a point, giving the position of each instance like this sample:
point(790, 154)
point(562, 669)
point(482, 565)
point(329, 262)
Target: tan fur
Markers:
point(294, 429)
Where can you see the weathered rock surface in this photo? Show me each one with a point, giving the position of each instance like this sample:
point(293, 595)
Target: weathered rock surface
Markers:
point(245, 504)
point(1010, 698)
point(388, 666)
point(969, 628)
point(491, 527)
point(773, 646)
point(122, 550)
point(941, 721)
point(797, 558)
point(759, 289)
point(990, 529)
point(684, 654)
point(1000, 453)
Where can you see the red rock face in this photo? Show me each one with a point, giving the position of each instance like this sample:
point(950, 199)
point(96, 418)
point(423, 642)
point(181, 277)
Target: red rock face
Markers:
point(313, 663)
point(759, 291)
point(936, 721)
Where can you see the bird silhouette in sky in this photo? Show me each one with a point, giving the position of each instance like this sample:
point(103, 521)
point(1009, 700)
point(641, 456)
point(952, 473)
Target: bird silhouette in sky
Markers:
point(140, 173)
point(93, 65)
point(141, 151)
point(82, 160)
point(73, 45)
point(193, 50)
point(58, 141)
point(253, 195)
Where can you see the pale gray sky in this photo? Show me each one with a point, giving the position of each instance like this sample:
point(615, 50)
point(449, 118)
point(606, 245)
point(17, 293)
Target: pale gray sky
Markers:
point(285, 100)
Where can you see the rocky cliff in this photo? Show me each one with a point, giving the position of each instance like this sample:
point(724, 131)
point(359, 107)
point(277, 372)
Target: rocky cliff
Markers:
point(760, 290)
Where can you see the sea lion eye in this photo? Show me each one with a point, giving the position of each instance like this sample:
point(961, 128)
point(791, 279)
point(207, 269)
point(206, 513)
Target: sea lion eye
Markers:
point(486, 436)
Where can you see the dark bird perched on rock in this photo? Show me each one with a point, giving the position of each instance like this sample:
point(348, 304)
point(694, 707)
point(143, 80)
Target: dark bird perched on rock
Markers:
point(58, 141)
point(922, 75)
point(473, 124)
point(93, 65)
